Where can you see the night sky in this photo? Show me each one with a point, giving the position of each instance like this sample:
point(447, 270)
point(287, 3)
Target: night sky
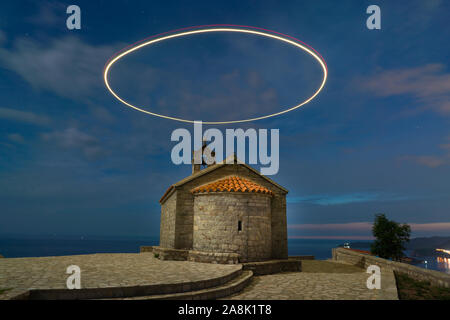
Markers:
point(75, 161)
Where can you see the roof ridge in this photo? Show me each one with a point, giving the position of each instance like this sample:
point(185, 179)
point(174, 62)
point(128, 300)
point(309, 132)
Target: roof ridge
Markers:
point(221, 164)
point(232, 183)
point(214, 167)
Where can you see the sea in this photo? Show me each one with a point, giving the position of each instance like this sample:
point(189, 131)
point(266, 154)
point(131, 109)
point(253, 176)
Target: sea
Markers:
point(17, 247)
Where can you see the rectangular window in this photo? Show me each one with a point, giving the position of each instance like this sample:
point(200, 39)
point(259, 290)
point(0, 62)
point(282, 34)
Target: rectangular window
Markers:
point(239, 225)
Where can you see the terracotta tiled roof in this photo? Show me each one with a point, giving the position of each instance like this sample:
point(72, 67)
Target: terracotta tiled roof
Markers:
point(166, 193)
point(232, 184)
point(218, 166)
point(360, 251)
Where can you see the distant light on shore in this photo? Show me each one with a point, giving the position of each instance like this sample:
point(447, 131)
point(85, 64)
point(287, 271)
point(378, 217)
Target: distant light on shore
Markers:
point(443, 250)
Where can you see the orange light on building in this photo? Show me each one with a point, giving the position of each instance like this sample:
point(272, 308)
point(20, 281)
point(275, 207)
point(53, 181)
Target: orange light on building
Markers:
point(444, 261)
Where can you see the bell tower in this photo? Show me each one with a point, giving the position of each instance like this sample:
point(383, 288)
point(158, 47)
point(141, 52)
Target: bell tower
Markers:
point(207, 157)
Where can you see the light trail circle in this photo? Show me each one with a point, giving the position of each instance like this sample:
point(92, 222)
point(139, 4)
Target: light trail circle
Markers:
point(217, 28)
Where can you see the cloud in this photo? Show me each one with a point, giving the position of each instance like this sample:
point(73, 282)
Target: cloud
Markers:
point(72, 138)
point(16, 137)
point(354, 228)
point(326, 199)
point(429, 84)
point(23, 116)
point(438, 226)
point(235, 94)
point(333, 237)
point(231, 99)
point(433, 161)
point(103, 114)
point(73, 69)
point(65, 66)
point(48, 14)
point(2, 37)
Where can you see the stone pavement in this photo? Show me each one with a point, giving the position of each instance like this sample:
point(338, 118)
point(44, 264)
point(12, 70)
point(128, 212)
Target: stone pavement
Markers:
point(102, 270)
point(320, 280)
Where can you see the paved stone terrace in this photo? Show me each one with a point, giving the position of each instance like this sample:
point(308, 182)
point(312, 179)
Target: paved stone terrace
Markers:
point(319, 280)
point(102, 271)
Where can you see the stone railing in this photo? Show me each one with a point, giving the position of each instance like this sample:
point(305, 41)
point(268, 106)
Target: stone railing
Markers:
point(170, 254)
point(191, 255)
point(146, 249)
point(364, 260)
point(273, 266)
point(263, 267)
point(309, 257)
point(213, 257)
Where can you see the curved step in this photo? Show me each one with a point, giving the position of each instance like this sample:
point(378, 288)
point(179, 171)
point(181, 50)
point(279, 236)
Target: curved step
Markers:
point(132, 291)
point(227, 289)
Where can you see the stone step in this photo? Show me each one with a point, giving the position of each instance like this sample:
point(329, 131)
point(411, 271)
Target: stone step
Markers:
point(132, 291)
point(225, 290)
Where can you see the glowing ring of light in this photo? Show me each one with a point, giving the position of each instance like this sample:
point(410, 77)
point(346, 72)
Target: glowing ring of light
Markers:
point(218, 28)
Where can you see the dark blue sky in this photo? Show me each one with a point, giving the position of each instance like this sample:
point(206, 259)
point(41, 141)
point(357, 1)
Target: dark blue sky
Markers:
point(74, 161)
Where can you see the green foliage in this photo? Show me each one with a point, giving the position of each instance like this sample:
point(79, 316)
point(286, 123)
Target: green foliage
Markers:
point(156, 255)
point(391, 238)
point(3, 290)
point(410, 289)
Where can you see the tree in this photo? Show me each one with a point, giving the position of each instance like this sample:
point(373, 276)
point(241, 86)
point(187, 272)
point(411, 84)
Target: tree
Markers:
point(390, 238)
